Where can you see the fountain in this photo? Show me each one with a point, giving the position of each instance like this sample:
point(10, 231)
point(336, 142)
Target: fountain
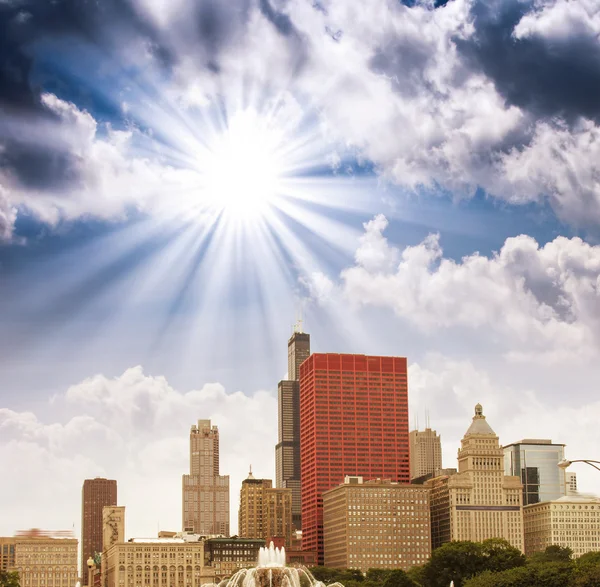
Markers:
point(271, 571)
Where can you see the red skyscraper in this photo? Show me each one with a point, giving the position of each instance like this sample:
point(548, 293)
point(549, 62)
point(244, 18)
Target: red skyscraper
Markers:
point(353, 421)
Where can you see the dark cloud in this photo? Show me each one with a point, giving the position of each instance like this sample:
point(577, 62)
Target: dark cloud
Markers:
point(548, 78)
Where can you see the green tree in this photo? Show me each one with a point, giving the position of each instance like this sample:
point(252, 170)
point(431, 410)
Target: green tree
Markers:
point(9, 579)
point(553, 554)
point(454, 561)
point(377, 576)
point(399, 578)
point(417, 574)
point(517, 577)
point(501, 555)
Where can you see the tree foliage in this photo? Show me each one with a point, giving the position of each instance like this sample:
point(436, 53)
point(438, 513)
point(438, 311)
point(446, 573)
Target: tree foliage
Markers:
point(9, 579)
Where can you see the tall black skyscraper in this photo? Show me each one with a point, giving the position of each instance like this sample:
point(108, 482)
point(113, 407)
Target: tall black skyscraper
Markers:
point(287, 451)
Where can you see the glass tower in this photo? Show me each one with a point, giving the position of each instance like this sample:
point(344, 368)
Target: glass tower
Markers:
point(535, 462)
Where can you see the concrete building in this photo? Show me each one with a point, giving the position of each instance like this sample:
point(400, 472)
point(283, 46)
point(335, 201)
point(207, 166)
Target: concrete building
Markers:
point(225, 556)
point(7, 553)
point(287, 450)
point(45, 559)
point(205, 491)
point(425, 453)
point(571, 521)
point(265, 512)
point(353, 421)
point(95, 494)
point(376, 525)
point(480, 501)
point(571, 483)
point(535, 462)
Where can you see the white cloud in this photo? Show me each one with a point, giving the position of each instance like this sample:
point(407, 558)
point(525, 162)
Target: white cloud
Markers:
point(133, 428)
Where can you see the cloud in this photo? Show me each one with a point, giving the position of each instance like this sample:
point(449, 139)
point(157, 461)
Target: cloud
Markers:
point(537, 302)
point(133, 428)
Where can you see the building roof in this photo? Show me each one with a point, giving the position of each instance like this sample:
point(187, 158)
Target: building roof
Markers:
point(479, 424)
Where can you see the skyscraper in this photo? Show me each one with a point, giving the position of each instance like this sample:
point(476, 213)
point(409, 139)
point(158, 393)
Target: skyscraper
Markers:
point(425, 453)
point(480, 501)
point(96, 493)
point(205, 492)
point(535, 462)
point(353, 421)
point(287, 451)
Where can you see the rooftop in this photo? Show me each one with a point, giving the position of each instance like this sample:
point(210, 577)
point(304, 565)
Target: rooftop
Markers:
point(479, 425)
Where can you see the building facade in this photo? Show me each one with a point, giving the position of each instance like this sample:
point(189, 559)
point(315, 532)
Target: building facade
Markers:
point(535, 462)
point(571, 482)
point(265, 512)
point(376, 525)
point(287, 450)
point(205, 491)
point(95, 494)
point(569, 521)
point(225, 556)
point(353, 421)
point(7, 553)
point(425, 453)
point(45, 559)
point(480, 501)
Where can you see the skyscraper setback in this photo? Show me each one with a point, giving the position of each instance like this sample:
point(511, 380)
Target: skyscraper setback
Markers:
point(96, 493)
point(205, 491)
point(353, 421)
point(287, 451)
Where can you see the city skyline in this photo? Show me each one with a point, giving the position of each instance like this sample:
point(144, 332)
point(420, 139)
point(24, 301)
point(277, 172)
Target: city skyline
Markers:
point(183, 181)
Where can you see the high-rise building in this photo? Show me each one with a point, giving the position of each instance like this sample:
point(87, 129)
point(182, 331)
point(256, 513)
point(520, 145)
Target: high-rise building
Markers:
point(480, 501)
point(376, 525)
point(570, 521)
point(7, 553)
point(571, 482)
point(265, 512)
point(205, 491)
point(353, 421)
point(425, 453)
point(287, 451)
point(46, 558)
point(96, 493)
point(535, 462)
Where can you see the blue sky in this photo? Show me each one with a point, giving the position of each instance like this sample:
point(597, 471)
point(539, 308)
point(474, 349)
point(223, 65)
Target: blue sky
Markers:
point(179, 181)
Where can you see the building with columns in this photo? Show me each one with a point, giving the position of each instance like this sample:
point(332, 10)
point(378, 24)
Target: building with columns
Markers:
point(479, 501)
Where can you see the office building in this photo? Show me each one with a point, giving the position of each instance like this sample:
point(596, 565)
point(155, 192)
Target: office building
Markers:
point(570, 521)
point(425, 453)
point(7, 553)
point(265, 512)
point(376, 524)
point(45, 559)
point(287, 451)
point(353, 421)
point(571, 483)
point(96, 493)
point(205, 491)
point(535, 462)
point(225, 556)
point(480, 501)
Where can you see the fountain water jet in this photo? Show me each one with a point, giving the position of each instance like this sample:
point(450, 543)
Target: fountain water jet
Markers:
point(271, 571)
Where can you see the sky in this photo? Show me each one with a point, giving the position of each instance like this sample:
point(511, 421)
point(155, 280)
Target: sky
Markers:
point(182, 180)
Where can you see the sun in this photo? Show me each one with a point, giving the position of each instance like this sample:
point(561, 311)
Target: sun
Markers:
point(242, 168)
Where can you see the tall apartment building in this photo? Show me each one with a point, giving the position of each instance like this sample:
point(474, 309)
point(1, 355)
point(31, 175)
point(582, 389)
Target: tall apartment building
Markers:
point(265, 512)
point(353, 421)
point(287, 450)
point(535, 462)
point(425, 453)
point(96, 493)
point(570, 521)
point(46, 558)
point(480, 501)
point(205, 491)
point(7, 553)
point(376, 525)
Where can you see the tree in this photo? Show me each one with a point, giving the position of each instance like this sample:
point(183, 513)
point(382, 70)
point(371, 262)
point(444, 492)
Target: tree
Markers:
point(9, 579)
point(553, 553)
point(377, 576)
point(398, 578)
point(501, 555)
point(454, 561)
